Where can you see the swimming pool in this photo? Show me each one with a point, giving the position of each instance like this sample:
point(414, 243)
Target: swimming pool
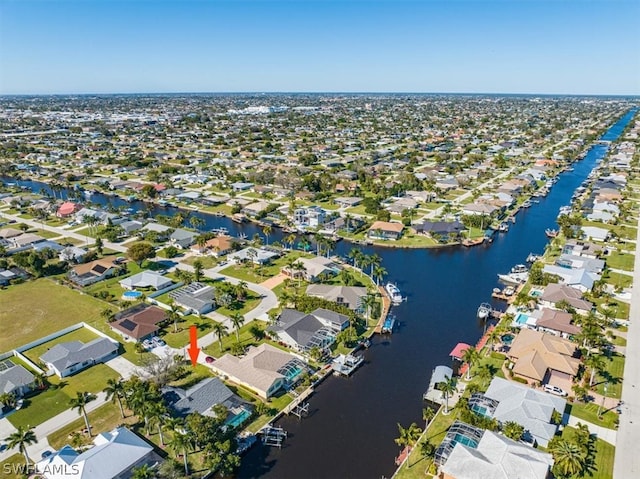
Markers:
point(481, 410)
point(131, 294)
point(465, 441)
point(507, 339)
point(521, 318)
point(535, 293)
point(238, 419)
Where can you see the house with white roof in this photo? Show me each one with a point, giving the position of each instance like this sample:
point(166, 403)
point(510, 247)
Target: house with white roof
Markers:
point(594, 233)
point(146, 279)
point(578, 278)
point(114, 455)
point(71, 357)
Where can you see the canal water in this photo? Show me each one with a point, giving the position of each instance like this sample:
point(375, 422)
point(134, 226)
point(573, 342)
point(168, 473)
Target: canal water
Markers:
point(352, 424)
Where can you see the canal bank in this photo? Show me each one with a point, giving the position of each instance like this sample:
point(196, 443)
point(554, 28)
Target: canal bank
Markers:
point(352, 421)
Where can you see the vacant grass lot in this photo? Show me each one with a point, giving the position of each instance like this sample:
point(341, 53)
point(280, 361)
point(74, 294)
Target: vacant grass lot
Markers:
point(10, 468)
point(46, 404)
point(35, 309)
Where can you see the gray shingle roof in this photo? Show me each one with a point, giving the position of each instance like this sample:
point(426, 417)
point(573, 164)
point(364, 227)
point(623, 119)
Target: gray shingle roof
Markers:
point(201, 397)
point(65, 355)
point(14, 377)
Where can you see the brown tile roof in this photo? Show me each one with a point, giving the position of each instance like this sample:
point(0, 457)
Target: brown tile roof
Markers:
point(98, 266)
point(558, 321)
point(387, 226)
point(138, 322)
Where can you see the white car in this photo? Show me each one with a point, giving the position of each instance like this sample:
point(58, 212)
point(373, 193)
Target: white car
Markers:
point(554, 390)
point(158, 342)
point(147, 344)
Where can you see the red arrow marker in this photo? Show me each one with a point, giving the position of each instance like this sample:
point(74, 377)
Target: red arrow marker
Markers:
point(193, 350)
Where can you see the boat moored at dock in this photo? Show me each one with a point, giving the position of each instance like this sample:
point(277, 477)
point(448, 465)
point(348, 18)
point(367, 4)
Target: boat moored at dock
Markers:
point(345, 364)
point(484, 311)
point(394, 293)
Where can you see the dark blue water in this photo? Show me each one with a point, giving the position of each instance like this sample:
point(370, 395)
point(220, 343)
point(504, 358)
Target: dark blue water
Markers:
point(353, 422)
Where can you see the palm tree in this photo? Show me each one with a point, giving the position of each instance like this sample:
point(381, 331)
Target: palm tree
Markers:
point(408, 436)
point(596, 364)
point(368, 301)
point(374, 260)
point(198, 266)
point(80, 402)
point(237, 320)
point(379, 273)
point(143, 472)
point(290, 240)
point(448, 387)
point(492, 338)
point(428, 450)
point(157, 415)
point(220, 330)
point(568, 457)
point(470, 356)
point(427, 415)
point(356, 256)
point(240, 290)
point(8, 400)
point(115, 392)
point(513, 430)
point(173, 315)
point(300, 268)
point(21, 438)
point(181, 443)
point(365, 261)
point(267, 229)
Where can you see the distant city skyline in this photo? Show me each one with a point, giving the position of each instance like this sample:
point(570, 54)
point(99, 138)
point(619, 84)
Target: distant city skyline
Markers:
point(570, 47)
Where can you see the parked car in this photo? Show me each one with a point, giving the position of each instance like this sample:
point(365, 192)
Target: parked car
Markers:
point(148, 344)
point(554, 390)
point(158, 341)
point(46, 453)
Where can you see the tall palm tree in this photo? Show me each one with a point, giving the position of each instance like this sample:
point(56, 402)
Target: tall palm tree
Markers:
point(470, 356)
point(240, 290)
point(198, 266)
point(290, 240)
point(80, 402)
point(448, 387)
point(237, 320)
point(365, 261)
point(220, 330)
point(173, 315)
point(21, 438)
point(408, 436)
point(595, 364)
point(569, 458)
point(368, 301)
point(267, 229)
point(181, 443)
point(356, 256)
point(115, 392)
point(427, 415)
point(299, 268)
point(157, 415)
point(379, 273)
point(374, 260)
point(492, 338)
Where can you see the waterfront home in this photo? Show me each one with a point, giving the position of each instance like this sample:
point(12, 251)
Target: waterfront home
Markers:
point(592, 265)
point(139, 322)
point(264, 369)
point(15, 379)
point(555, 293)
point(114, 454)
point(202, 398)
point(313, 269)
point(218, 246)
point(539, 357)
point(195, 298)
point(593, 233)
point(255, 209)
point(578, 278)
point(584, 249)
point(67, 209)
point(94, 271)
point(303, 332)
point(309, 217)
point(495, 457)
point(385, 230)
point(68, 358)
point(182, 239)
point(349, 296)
point(557, 322)
point(479, 209)
point(510, 401)
point(440, 230)
point(439, 375)
point(255, 255)
point(146, 279)
point(162, 232)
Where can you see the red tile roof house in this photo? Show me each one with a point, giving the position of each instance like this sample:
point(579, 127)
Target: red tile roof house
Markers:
point(67, 209)
point(138, 323)
point(385, 230)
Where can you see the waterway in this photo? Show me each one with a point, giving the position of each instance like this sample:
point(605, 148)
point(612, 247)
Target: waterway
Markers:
point(352, 424)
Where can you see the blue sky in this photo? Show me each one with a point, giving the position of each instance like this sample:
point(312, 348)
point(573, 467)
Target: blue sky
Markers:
point(508, 46)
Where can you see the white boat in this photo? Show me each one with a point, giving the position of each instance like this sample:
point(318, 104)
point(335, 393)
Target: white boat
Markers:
point(514, 278)
point(394, 293)
point(519, 268)
point(532, 258)
point(484, 310)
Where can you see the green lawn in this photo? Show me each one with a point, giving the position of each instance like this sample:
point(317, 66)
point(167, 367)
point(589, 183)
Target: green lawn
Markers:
point(55, 399)
point(181, 338)
point(11, 467)
point(618, 280)
point(613, 374)
point(82, 334)
point(37, 308)
point(246, 339)
point(589, 412)
point(605, 454)
point(623, 261)
point(254, 274)
point(207, 261)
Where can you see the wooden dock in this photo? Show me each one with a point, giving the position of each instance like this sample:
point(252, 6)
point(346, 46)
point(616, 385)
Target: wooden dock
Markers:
point(298, 400)
point(386, 306)
point(509, 299)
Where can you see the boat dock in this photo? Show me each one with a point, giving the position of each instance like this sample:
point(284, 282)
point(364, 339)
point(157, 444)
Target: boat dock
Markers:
point(386, 306)
point(345, 364)
point(298, 403)
point(509, 298)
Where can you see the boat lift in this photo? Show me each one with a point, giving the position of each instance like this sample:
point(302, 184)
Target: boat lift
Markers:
point(301, 410)
point(273, 436)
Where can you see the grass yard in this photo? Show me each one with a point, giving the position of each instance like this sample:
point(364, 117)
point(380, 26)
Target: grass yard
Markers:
point(207, 261)
point(257, 274)
point(82, 334)
point(180, 338)
point(618, 280)
point(614, 370)
point(37, 308)
point(589, 412)
point(105, 418)
point(13, 466)
point(623, 261)
point(605, 454)
point(246, 339)
point(46, 404)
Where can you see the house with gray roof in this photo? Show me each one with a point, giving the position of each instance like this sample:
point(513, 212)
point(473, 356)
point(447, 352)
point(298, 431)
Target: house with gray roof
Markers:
point(146, 279)
point(15, 379)
point(528, 407)
point(71, 357)
point(196, 297)
point(183, 238)
point(114, 455)
point(303, 332)
point(257, 255)
point(202, 397)
point(349, 296)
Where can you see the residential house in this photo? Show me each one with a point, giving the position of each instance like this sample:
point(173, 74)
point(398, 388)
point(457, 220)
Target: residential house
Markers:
point(496, 457)
point(256, 255)
point(555, 293)
point(218, 246)
point(313, 269)
point(578, 278)
point(255, 209)
point(182, 238)
point(349, 296)
point(304, 332)
point(67, 209)
point(479, 209)
point(146, 279)
point(161, 231)
point(347, 201)
point(241, 186)
point(309, 217)
point(15, 379)
point(594, 233)
point(557, 322)
point(197, 298)
point(94, 271)
point(264, 369)
point(442, 230)
point(582, 248)
point(539, 357)
point(139, 322)
point(68, 358)
point(130, 226)
point(203, 397)
point(72, 254)
point(114, 455)
point(385, 230)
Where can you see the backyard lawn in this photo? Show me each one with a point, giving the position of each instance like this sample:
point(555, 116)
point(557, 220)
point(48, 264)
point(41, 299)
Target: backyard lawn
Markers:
point(54, 400)
point(11, 467)
point(82, 334)
point(35, 309)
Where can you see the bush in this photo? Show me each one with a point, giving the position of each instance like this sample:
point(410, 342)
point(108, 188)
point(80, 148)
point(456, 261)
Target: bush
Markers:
point(496, 355)
point(520, 380)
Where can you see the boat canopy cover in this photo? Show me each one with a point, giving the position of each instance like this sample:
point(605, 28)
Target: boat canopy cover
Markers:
point(459, 350)
point(440, 374)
